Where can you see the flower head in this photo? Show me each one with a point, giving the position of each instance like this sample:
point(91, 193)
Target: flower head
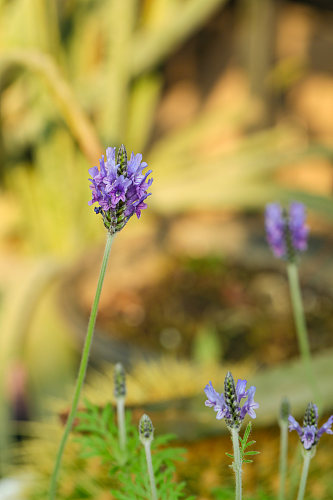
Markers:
point(286, 231)
point(119, 187)
point(228, 405)
point(309, 433)
point(119, 381)
point(146, 429)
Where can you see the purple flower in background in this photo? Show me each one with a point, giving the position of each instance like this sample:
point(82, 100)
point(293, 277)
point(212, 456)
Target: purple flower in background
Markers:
point(309, 433)
point(228, 405)
point(119, 187)
point(286, 231)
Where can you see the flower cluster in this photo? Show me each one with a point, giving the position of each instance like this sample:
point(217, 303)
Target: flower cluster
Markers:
point(228, 405)
point(309, 433)
point(119, 187)
point(286, 231)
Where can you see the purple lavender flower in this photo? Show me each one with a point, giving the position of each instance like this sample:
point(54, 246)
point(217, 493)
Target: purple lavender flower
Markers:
point(119, 187)
point(309, 433)
point(286, 231)
point(228, 405)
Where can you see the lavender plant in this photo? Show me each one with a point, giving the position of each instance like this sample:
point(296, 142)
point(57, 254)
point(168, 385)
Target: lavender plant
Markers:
point(287, 234)
point(129, 476)
point(309, 435)
point(228, 406)
point(146, 433)
point(120, 189)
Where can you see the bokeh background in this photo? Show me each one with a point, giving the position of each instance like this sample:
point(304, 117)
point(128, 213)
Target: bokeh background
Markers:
point(231, 104)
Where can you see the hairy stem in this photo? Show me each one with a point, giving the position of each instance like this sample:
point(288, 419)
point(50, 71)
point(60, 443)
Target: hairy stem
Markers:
point(82, 369)
point(150, 471)
point(301, 490)
point(301, 329)
point(283, 458)
point(121, 423)
point(237, 463)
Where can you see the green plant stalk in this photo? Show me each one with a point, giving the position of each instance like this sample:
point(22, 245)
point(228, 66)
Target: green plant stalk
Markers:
point(150, 471)
point(237, 465)
point(82, 368)
point(121, 423)
point(307, 458)
point(283, 458)
point(301, 329)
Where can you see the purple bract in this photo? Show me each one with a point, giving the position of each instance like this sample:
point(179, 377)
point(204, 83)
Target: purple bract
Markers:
point(286, 231)
point(228, 404)
point(309, 433)
point(119, 187)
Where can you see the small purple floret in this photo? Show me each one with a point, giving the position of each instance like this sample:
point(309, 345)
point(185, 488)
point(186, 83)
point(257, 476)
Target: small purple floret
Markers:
point(286, 231)
point(274, 223)
point(310, 434)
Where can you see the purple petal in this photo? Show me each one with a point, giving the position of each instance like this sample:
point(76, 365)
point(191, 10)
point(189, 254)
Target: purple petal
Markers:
point(294, 426)
point(212, 395)
point(299, 230)
point(274, 223)
point(309, 436)
point(241, 389)
point(250, 405)
point(326, 427)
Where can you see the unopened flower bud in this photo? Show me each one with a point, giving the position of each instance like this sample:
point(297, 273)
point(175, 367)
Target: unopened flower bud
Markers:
point(146, 429)
point(119, 381)
point(284, 410)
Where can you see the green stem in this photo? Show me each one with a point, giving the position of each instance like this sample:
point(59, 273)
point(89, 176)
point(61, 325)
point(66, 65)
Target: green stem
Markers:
point(121, 423)
point(82, 368)
point(301, 329)
point(237, 463)
point(307, 458)
point(150, 471)
point(283, 458)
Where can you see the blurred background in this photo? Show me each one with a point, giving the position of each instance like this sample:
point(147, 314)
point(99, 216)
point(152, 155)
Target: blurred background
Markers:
point(231, 104)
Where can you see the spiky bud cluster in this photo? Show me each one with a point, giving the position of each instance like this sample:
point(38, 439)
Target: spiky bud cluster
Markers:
point(119, 381)
point(284, 410)
point(146, 429)
point(310, 415)
point(230, 397)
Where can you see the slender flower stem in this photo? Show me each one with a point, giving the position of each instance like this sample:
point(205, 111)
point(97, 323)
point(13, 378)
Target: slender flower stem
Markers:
point(121, 423)
point(82, 369)
point(150, 471)
point(301, 329)
point(307, 458)
point(283, 458)
point(237, 463)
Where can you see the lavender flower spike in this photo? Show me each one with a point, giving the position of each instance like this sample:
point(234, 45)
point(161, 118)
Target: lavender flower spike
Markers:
point(310, 434)
point(286, 231)
point(228, 405)
point(119, 187)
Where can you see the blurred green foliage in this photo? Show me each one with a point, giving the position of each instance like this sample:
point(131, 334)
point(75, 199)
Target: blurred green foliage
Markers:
point(78, 76)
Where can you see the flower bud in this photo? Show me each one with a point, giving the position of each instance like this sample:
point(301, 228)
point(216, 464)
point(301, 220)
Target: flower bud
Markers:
point(119, 381)
point(146, 429)
point(284, 410)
